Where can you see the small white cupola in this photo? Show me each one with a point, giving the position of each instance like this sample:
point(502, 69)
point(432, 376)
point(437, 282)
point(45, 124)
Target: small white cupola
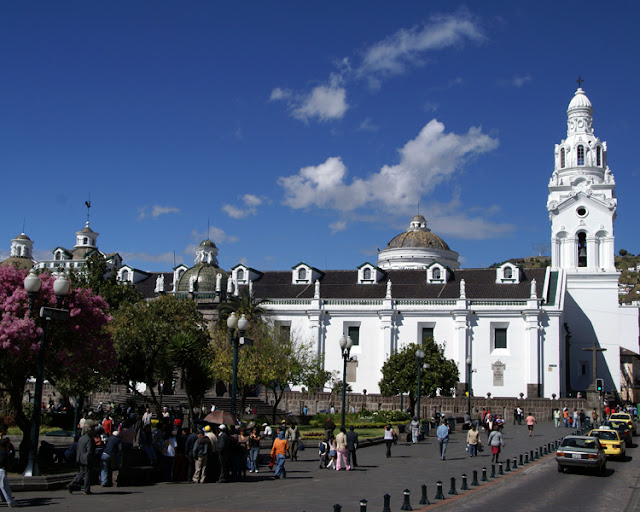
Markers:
point(437, 273)
point(86, 238)
point(369, 274)
point(21, 246)
point(207, 252)
point(304, 274)
point(508, 273)
point(243, 274)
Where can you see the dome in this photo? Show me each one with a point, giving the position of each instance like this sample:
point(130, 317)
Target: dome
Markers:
point(418, 235)
point(207, 243)
point(205, 273)
point(22, 237)
point(579, 100)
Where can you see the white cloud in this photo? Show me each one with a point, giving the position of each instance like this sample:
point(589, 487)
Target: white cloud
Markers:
point(337, 226)
point(280, 94)
point(324, 102)
point(519, 81)
point(156, 211)
point(250, 203)
point(426, 161)
point(368, 126)
point(395, 54)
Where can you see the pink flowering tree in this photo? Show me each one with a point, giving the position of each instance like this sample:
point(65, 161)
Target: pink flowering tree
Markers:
point(79, 351)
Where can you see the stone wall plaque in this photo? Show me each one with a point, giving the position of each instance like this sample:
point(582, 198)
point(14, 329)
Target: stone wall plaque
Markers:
point(498, 373)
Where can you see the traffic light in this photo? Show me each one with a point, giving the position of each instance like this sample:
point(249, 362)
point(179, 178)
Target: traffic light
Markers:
point(599, 385)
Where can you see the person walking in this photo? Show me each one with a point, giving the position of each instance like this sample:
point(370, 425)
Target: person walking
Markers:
point(442, 433)
point(415, 429)
point(333, 452)
point(110, 458)
point(293, 438)
point(556, 417)
point(254, 450)
point(84, 458)
point(352, 446)
point(496, 441)
point(5, 488)
point(279, 450)
point(341, 446)
point(531, 421)
point(389, 437)
point(473, 440)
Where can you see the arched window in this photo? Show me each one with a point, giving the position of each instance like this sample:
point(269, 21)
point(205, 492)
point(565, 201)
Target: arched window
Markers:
point(580, 150)
point(85, 241)
point(125, 275)
point(508, 273)
point(240, 275)
point(436, 273)
point(366, 274)
point(302, 274)
point(582, 249)
point(599, 156)
point(562, 156)
point(58, 255)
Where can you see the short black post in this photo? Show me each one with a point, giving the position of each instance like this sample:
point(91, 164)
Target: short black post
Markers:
point(337, 508)
point(508, 468)
point(526, 458)
point(484, 475)
point(550, 447)
point(406, 504)
point(475, 478)
point(531, 456)
point(464, 486)
point(493, 470)
point(363, 505)
point(387, 503)
point(424, 500)
point(536, 455)
point(439, 495)
point(453, 486)
point(544, 450)
point(515, 463)
point(500, 469)
point(521, 462)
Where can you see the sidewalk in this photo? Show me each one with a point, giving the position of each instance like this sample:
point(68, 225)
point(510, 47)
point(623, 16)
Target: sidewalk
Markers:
point(310, 489)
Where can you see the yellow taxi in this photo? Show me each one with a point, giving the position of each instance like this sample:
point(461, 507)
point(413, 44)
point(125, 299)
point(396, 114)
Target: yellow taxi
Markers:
point(611, 441)
point(623, 416)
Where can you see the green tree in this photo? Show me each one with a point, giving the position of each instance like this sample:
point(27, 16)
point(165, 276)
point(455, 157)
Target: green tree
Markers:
point(96, 276)
point(143, 334)
point(192, 356)
point(400, 372)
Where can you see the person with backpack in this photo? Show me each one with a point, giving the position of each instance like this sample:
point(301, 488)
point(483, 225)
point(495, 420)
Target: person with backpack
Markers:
point(323, 452)
point(201, 450)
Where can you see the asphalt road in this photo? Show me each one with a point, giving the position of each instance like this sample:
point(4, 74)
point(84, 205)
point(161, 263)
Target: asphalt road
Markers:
point(310, 489)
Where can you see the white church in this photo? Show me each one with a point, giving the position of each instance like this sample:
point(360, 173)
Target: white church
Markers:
point(526, 331)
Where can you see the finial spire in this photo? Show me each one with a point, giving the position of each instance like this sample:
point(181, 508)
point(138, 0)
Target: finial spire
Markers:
point(88, 205)
point(579, 81)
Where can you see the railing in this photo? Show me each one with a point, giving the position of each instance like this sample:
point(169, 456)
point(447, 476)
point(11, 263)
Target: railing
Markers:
point(425, 302)
point(498, 302)
point(287, 302)
point(353, 302)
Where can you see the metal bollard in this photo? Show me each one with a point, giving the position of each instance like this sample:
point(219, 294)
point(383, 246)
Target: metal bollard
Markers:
point(531, 455)
point(475, 478)
point(526, 458)
point(515, 463)
point(386, 507)
point(453, 486)
point(521, 463)
point(464, 486)
point(500, 470)
point(546, 451)
point(536, 455)
point(493, 470)
point(424, 500)
point(508, 468)
point(337, 508)
point(363, 505)
point(406, 504)
point(549, 447)
point(439, 495)
point(484, 475)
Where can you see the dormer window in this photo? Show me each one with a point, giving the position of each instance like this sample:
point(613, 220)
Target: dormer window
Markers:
point(508, 273)
point(436, 273)
point(562, 158)
point(125, 276)
point(302, 274)
point(580, 150)
point(240, 275)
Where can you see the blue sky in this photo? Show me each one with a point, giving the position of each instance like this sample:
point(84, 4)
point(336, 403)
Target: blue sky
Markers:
point(304, 131)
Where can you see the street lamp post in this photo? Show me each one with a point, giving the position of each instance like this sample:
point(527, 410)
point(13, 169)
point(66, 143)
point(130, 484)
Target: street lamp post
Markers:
point(345, 346)
point(469, 372)
point(421, 364)
point(241, 325)
point(32, 285)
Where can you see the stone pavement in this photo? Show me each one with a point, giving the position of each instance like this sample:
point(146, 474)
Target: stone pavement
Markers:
point(308, 488)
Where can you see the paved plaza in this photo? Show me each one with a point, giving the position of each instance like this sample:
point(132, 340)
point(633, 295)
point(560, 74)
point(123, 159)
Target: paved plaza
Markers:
point(308, 488)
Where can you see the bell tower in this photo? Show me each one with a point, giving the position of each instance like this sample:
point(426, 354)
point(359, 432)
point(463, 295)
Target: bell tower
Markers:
point(582, 201)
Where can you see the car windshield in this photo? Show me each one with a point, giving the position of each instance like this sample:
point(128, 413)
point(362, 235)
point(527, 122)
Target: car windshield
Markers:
point(608, 435)
point(578, 442)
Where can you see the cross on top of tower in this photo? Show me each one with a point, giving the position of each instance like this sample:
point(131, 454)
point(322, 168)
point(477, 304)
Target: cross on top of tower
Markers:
point(579, 81)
